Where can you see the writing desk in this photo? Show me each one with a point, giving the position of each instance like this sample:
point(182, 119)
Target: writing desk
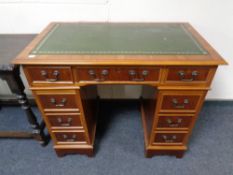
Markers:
point(172, 61)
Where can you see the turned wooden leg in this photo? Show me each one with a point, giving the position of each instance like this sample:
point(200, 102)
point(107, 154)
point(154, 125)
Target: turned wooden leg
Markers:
point(11, 75)
point(37, 130)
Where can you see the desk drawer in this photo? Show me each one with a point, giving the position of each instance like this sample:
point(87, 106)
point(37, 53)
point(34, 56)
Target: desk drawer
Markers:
point(180, 101)
point(58, 100)
point(170, 138)
point(69, 137)
point(48, 75)
point(174, 121)
point(64, 120)
point(101, 74)
point(189, 75)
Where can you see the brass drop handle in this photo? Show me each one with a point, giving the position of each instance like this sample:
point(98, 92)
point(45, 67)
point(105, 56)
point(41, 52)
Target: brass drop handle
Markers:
point(179, 120)
point(93, 75)
point(104, 74)
point(64, 136)
point(133, 74)
point(72, 139)
point(169, 139)
point(61, 104)
point(169, 121)
point(182, 75)
point(145, 73)
point(55, 74)
point(62, 123)
point(174, 124)
point(179, 106)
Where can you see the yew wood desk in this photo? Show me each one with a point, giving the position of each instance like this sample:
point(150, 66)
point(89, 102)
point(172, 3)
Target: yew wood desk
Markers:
point(172, 61)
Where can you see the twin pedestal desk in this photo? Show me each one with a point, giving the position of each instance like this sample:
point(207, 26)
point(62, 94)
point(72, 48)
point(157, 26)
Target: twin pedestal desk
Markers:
point(173, 63)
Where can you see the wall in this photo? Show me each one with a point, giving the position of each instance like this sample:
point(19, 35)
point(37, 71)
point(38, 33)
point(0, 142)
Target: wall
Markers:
point(212, 18)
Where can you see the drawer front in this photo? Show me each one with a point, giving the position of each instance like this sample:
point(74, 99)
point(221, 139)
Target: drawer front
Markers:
point(189, 75)
point(180, 101)
point(169, 138)
point(94, 74)
point(174, 121)
point(64, 120)
point(49, 75)
point(143, 74)
point(67, 137)
point(58, 102)
point(101, 74)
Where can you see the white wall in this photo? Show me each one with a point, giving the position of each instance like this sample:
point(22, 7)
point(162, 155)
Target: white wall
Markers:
point(212, 18)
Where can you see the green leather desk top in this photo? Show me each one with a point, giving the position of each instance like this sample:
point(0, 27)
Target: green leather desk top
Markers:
point(118, 39)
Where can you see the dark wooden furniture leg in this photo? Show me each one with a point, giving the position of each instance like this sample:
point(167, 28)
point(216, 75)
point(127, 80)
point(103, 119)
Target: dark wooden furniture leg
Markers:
point(11, 74)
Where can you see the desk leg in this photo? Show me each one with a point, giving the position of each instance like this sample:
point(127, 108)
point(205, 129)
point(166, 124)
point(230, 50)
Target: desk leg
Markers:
point(12, 76)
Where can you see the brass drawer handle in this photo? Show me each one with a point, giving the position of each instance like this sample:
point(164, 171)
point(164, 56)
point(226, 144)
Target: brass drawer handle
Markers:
point(145, 73)
point(45, 75)
point(65, 124)
point(104, 72)
point(92, 73)
point(182, 76)
point(179, 106)
point(73, 138)
point(133, 75)
point(61, 104)
point(93, 76)
point(174, 124)
point(170, 139)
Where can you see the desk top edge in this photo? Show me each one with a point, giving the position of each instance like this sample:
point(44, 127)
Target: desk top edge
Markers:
point(212, 58)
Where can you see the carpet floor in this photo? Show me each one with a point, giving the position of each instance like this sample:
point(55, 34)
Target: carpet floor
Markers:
point(120, 146)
